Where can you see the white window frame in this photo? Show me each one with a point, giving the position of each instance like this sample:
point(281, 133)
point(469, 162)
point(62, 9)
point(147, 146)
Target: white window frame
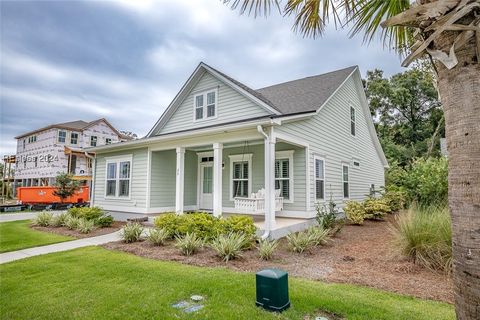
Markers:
point(347, 181)
point(241, 158)
point(315, 158)
point(353, 121)
point(117, 160)
point(205, 106)
point(78, 137)
point(106, 141)
point(58, 136)
point(288, 154)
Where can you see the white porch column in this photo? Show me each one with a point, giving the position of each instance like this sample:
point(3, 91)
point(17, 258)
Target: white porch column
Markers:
point(180, 180)
point(270, 180)
point(217, 179)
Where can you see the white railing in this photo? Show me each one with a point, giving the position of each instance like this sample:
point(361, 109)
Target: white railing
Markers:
point(256, 205)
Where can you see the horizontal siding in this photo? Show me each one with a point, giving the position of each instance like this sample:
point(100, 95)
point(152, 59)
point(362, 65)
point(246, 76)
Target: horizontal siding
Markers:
point(231, 106)
point(328, 134)
point(138, 196)
point(162, 188)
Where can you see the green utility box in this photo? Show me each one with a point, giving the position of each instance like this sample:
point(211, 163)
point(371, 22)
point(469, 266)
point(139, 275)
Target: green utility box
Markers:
point(272, 290)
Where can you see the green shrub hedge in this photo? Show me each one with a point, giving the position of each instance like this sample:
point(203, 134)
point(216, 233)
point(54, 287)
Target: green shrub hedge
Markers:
point(204, 225)
point(372, 208)
point(96, 214)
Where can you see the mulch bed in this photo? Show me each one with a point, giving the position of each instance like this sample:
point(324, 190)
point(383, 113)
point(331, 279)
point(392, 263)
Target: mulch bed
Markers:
point(358, 255)
point(117, 225)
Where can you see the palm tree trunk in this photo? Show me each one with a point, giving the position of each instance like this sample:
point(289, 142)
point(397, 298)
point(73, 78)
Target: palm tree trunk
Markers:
point(460, 95)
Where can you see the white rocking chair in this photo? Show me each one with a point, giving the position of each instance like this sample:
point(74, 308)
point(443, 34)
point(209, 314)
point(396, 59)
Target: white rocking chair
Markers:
point(255, 204)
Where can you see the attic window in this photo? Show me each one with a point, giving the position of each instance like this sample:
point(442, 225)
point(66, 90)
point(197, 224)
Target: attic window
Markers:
point(205, 105)
point(352, 121)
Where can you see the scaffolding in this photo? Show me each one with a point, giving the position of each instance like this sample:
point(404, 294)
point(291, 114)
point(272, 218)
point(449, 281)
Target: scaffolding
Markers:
point(8, 178)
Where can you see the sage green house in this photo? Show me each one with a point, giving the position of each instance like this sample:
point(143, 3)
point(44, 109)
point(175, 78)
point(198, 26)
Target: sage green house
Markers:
point(223, 147)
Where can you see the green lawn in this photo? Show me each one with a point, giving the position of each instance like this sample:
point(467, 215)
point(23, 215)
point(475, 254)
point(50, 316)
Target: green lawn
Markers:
point(17, 235)
point(94, 283)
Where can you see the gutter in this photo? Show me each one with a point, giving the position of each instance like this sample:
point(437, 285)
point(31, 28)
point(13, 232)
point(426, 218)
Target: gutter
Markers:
point(94, 165)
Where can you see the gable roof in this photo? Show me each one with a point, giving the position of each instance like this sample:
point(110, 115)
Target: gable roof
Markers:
point(307, 94)
point(77, 125)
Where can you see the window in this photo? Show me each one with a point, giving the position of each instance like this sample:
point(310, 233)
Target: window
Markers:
point(346, 187)
point(205, 105)
point(93, 141)
point(24, 142)
point(73, 138)
point(284, 174)
point(118, 177)
point(108, 141)
point(62, 136)
point(352, 121)
point(319, 179)
point(240, 172)
point(372, 190)
point(36, 161)
point(32, 139)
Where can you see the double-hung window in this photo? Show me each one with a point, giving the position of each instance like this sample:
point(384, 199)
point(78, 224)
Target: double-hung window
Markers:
point(240, 172)
point(93, 141)
point(118, 177)
point(352, 121)
point(205, 104)
point(284, 174)
point(108, 140)
point(73, 138)
point(62, 136)
point(319, 179)
point(345, 180)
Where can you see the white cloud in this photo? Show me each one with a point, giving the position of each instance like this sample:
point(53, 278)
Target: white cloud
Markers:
point(174, 56)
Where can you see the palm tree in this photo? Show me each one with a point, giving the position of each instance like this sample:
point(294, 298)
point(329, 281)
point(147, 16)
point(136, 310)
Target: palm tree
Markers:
point(447, 32)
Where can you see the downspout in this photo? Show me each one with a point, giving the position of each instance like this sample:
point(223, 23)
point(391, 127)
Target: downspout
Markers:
point(94, 165)
point(267, 211)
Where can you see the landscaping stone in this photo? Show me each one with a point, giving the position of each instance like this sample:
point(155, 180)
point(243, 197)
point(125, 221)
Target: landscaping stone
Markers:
point(193, 309)
point(181, 304)
point(196, 298)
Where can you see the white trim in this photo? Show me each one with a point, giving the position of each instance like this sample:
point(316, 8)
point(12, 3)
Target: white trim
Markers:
point(149, 176)
point(239, 158)
point(217, 179)
point(204, 94)
point(143, 210)
point(205, 154)
point(117, 160)
point(287, 154)
point(290, 139)
point(58, 136)
point(348, 181)
point(283, 213)
point(337, 89)
point(307, 179)
point(315, 158)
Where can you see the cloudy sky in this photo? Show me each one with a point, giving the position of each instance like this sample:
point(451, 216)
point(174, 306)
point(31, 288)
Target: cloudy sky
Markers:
point(125, 60)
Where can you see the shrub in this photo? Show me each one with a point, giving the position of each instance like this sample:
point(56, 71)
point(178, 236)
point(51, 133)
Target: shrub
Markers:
point(375, 208)
point(239, 224)
point(132, 232)
point(59, 220)
point(300, 241)
point(104, 221)
point(319, 235)
point(86, 212)
point(43, 219)
point(158, 237)
point(203, 225)
point(189, 244)
point(267, 248)
point(85, 226)
point(229, 246)
point(169, 222)
point(425, 236)
point(396, 199)
point(71, 222)
point(355, 212)
point(327, 214)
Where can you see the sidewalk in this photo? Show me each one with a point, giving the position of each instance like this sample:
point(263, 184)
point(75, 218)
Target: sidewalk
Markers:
point(57, 247)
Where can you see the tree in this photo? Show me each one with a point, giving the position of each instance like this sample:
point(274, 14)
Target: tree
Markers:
point(407, 114)
point(448, 33)
point(65, 186)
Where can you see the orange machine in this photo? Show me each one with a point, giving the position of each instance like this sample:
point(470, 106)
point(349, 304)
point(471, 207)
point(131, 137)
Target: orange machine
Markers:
point(31, 195)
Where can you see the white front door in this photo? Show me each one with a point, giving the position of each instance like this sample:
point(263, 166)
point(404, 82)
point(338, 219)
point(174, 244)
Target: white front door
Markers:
point(206, 186)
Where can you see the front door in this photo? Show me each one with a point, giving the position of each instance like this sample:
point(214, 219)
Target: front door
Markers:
point(206, 186)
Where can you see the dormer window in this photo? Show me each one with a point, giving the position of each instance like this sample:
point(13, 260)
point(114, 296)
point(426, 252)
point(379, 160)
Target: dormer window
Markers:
point(205, 105)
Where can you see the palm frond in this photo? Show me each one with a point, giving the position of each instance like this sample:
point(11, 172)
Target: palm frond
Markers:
point(255, 7)
point(369, 14)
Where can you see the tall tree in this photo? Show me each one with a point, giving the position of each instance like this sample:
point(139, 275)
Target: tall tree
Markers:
point(406, 112)
point(448, 32)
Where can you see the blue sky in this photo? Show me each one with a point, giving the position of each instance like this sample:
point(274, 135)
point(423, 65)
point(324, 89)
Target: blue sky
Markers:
point(125, 60)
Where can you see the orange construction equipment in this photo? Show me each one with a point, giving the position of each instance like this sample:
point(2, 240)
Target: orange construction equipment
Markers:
point(30, 195)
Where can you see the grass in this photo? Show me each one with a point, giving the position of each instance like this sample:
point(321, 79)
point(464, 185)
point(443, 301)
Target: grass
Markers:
point(94, 283)
point(17, 235)
point(424, 234)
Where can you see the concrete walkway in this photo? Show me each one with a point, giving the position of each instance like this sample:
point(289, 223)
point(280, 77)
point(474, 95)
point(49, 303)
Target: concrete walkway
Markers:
point(58, 247)
point(4, 217)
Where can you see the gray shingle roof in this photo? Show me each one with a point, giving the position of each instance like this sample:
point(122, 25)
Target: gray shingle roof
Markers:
point(307, 94)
